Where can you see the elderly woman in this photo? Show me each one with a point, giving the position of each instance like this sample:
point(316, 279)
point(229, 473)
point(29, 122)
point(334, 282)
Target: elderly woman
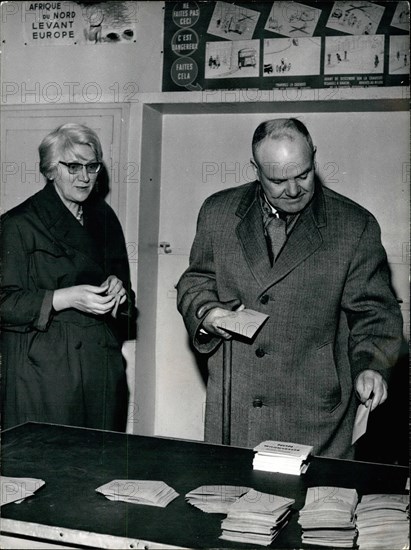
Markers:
point(66, 302)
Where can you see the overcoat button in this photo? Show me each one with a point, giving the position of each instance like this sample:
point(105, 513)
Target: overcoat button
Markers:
point(257, 403)
point(78, 345)
point(264, 298)
point(259, 352)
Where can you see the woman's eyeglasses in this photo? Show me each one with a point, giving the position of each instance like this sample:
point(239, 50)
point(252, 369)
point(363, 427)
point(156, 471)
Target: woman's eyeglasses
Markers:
point(77, 167)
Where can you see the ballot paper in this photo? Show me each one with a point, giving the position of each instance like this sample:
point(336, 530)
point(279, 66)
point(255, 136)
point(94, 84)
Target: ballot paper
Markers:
point(16, 489)
point(215, 499)
point(134, 491)
point(361, 420)
point(329, 506)
point(256, 518)
point(281, 456)
point(245, 322)
point(328, 516)
point(383, 521)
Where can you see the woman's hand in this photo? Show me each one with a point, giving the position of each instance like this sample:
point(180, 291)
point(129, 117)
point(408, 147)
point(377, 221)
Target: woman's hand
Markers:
point(86, 298)
point(116, 289)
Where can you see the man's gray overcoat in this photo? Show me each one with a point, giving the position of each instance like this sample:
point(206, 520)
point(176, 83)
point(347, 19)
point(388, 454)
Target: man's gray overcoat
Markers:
point(332, 315)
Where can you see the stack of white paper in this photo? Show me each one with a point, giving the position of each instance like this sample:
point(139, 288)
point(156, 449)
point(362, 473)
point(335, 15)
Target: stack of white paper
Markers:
point(279, 456)
point(328, 517)
point(256, 518)
point(383, 522)
point(215, 499)
point(16, 489)
point(150, 493)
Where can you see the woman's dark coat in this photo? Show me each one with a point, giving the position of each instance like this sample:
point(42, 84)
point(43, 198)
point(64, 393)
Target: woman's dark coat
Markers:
point(62, 367)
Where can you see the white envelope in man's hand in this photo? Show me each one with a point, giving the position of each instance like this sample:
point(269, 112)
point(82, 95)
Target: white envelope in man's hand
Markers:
point(245, 322)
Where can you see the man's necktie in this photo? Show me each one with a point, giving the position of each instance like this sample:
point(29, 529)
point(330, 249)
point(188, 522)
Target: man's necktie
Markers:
point(276, 232)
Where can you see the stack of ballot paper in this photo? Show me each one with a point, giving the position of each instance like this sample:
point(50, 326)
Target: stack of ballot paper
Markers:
point(256, 518)
point(328, 517)
point(279, 456)
point(215, 499)
point(16, 489)
point(383, 522)
point(150, 493)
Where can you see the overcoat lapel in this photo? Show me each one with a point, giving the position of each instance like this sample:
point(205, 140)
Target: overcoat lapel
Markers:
point(250, 232)
point(63, 226)
point(303, 241)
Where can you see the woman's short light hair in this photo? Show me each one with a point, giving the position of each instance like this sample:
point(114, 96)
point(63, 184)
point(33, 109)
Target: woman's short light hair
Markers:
point(63, 139)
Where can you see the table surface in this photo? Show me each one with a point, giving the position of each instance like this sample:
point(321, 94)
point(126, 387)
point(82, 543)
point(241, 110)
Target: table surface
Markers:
point(74, 462)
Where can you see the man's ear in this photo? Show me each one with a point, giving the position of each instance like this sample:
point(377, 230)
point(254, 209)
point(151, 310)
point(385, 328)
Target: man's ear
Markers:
point(255, 168)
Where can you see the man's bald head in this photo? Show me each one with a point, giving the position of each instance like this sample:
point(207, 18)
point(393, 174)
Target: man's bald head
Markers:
point(280, 128)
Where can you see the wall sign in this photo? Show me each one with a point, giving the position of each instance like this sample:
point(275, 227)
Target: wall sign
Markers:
point(285, 44)
point(65, 23)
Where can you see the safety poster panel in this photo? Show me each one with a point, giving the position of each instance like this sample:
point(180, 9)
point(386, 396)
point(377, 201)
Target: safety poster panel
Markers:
point(268, 45)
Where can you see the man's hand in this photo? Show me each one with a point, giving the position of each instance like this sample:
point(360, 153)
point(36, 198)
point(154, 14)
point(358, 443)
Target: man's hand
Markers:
point(215, 319)
point(371, 388)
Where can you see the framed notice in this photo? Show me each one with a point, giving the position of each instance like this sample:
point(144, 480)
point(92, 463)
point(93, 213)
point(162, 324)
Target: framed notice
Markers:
point(285, 44)
point(67, 23)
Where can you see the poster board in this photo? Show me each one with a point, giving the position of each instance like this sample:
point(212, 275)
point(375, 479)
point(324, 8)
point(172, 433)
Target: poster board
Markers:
point(283, 44)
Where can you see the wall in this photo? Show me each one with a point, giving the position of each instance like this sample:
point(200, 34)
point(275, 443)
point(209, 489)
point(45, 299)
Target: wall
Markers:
point(98, 73)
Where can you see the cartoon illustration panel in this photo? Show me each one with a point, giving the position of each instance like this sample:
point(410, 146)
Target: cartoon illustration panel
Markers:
point(281, 44)
point(355, 17)
point(401, 17)
point(399, 62)
point(110, 22)
point(233, 22)
point(354, 55)
point(292, 19)
point(237, 59)
point(292, 56)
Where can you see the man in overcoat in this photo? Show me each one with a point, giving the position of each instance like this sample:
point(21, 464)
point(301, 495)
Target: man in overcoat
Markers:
point(313, 261)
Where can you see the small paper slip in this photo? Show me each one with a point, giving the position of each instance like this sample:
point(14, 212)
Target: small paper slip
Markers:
point(327, 499)
point(16, 489)
point(383, 521)
point(328, 517)
point(281, 457)
point(245, 322)
point(283, 448)
point(328, 507)
point(255, 502)
point(215, 499)
point(383, 502)
point(134, 491)
point(256, 518)
point(360, 422)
